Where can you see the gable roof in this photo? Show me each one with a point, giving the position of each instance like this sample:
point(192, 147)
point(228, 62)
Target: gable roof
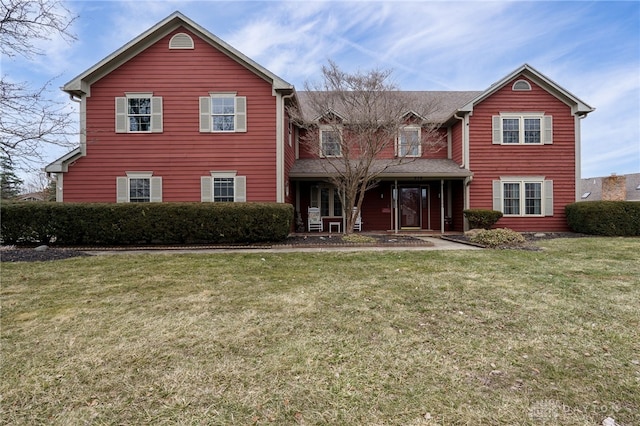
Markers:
point(578, 107)
point(81, 83)
point(445, 103)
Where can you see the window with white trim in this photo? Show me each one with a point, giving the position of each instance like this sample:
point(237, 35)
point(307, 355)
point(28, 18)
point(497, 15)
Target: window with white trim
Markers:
point(223, 112)
point(408, 142)
point(327, 198)
point(522, 129)
point(223, 187)
point(139, 113)
point(139, 187)
point(530, 196)
point(330, 142)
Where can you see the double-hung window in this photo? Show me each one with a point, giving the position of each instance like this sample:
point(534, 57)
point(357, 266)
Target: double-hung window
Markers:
point(139, 113)
point(330, 142)
point(223, 113)
point(408, 142)
point(223, 186)
point(139, 187)
point(522, 129)
point(523, 196)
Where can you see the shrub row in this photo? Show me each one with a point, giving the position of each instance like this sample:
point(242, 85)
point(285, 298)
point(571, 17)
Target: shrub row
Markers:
point(482, 219)
point(611, 218)
point(144, 223)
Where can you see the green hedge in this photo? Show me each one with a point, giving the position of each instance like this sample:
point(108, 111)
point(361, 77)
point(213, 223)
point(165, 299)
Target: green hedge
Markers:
point(482, 219)
point(611, 218)
point(144, 223)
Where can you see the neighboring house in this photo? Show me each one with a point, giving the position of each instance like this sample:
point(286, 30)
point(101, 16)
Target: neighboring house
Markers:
point(33, 196)
point(613, 188)
point(179, 115)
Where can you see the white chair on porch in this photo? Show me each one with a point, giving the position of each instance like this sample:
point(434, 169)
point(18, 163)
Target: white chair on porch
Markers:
point(314, 220)
point(357, 224)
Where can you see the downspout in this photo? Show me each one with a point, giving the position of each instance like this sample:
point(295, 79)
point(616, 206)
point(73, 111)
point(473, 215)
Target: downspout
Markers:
point(60, 176)
point(442, 206)
point(578, 159)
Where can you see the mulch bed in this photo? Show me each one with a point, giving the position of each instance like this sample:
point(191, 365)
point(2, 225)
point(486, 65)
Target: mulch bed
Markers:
point(29, 254)
point(530, 237)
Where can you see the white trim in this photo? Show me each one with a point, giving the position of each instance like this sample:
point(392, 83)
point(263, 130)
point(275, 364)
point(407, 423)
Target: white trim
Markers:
point(280, 149)
point(526, 89)
point(546, 194)
point(181, 41)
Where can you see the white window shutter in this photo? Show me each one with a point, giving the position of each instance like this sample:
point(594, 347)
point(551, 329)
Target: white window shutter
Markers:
point(156, 114)
point(122, 189)
point(205, 114)
point(548, 130)
point(206, 189)
point(497, 195)
point(497, 130)
point(241, 114)
point(155, 190)
point(240, 189)
point(548, 198)
point(121, 115)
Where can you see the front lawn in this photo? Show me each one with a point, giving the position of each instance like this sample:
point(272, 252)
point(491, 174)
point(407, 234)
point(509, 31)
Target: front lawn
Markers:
point(485, 337)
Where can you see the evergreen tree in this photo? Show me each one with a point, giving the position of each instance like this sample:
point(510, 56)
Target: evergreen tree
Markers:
point(10, 183)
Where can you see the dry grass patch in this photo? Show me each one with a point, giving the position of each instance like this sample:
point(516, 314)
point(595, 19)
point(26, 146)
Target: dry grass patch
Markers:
point(481, 337)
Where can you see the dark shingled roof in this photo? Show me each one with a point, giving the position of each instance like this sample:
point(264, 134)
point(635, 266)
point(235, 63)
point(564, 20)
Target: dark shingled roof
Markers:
point(591, 188)
point(421, 167)
point(445, 103)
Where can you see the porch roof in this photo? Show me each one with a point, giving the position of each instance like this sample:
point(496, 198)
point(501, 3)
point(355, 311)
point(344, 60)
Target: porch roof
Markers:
point(422, 167)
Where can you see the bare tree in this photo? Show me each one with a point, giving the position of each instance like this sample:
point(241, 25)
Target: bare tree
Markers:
point(357, 123)
point(28, 117)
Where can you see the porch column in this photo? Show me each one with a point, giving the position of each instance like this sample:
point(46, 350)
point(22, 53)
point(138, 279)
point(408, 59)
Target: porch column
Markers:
point(394, 191)
point(442, 206)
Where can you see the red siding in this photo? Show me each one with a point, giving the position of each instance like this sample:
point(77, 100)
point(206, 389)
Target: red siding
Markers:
point(456, 142)
point(181, 154)
point(555, 162)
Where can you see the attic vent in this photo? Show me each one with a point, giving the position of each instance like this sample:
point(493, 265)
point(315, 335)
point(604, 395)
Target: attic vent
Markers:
point(521, 85)
point(181, 41)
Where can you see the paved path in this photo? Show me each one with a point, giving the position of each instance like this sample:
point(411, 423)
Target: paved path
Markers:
point(438, 244)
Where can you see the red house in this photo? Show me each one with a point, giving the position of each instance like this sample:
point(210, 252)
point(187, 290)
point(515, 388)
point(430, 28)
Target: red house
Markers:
point(179, 115)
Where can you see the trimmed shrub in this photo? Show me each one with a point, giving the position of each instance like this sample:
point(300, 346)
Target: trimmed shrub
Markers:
point(609, 218)
point(498, 238)
point(144, 223)
point(480, 218)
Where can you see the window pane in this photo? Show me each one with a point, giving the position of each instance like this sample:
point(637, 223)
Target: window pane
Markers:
point(139, 106)
point(223, 123)
point(324, 201)
point(510, 130)
point(533, 198)
point(511, 198)
point(223, 189)
point(139, 190)
point(337, 204)
point(223, 105)
point(330, 143)
point(531, 130)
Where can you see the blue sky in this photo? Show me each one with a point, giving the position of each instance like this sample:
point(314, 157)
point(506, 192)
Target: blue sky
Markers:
point(591, 48)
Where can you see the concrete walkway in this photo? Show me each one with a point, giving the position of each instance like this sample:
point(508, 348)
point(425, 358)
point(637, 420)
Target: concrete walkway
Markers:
point(438, 244)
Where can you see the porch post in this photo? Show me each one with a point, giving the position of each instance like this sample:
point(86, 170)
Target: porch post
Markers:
point(395, 205)
point(442, 206)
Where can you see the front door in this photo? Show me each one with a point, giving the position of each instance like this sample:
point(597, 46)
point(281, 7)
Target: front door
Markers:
point(410, 207)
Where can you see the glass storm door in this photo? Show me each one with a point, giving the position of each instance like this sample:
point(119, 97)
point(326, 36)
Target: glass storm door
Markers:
point(409, 207)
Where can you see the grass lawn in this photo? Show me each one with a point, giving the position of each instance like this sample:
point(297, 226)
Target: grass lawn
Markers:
point(486, 337)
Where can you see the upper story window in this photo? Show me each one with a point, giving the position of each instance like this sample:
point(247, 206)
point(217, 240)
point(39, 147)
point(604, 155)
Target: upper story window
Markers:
point(330, 142)
point(408, 142)
point(522, 128)
point(139, 187)
point(139, 113)
point(223, 112)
